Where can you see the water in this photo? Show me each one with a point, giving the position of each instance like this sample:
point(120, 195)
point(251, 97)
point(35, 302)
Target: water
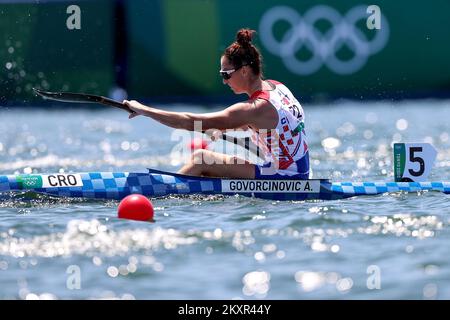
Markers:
point(392, 246)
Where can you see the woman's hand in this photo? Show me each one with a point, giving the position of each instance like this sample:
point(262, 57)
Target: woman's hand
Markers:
point(137, 108)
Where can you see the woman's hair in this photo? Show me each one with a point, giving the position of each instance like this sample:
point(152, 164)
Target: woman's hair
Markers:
point(242, 52)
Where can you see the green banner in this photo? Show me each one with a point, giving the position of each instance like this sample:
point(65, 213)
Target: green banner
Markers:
point(37, 49)
point(173, 47)
point(317, 49)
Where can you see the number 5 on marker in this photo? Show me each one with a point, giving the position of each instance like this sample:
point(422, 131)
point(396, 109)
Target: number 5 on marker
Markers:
point(413, 161)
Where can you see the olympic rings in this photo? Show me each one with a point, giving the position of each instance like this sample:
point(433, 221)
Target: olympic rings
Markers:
point(323, 47)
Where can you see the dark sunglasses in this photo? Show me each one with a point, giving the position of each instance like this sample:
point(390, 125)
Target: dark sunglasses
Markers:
point(226, 74)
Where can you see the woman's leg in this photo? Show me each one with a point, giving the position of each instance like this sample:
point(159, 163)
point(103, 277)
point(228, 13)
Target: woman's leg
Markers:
point(213, 164)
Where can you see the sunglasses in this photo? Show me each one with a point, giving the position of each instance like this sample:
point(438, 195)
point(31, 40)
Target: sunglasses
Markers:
point(226, 74)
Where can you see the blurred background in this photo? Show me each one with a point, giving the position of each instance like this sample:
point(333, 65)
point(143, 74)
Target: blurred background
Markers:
point(169, 50)
point(364, 86)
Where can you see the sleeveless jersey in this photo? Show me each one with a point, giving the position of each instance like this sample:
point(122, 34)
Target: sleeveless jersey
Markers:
point(286, 146)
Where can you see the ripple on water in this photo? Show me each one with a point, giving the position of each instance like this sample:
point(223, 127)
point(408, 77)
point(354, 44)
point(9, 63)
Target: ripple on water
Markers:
point(217, 247)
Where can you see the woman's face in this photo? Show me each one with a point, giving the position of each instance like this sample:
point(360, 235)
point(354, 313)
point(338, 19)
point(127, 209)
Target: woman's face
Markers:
point(236, 81)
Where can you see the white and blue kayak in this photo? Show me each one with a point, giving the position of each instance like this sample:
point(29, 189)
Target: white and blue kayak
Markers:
point(155, 183)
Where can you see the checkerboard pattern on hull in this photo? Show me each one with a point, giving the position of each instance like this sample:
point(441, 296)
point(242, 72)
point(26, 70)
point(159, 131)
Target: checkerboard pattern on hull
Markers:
point(117, 185)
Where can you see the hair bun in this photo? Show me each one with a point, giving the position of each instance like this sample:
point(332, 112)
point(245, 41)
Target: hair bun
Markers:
point(244, 37)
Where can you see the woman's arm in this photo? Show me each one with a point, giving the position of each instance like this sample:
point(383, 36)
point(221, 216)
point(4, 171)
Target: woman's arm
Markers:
point(235, 116)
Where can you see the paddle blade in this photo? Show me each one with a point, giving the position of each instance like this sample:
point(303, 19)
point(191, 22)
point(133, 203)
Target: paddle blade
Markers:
point(81, 98)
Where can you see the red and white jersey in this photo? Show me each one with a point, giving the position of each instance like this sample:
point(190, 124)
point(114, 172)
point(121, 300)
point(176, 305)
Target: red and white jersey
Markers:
point(287, 143)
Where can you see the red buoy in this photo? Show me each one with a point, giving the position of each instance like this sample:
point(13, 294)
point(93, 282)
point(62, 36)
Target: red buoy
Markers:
point(198, 143)
point(135, 207)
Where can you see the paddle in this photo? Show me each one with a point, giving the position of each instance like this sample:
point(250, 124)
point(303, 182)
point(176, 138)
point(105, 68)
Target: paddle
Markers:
point(82, 98)
point(246, 143)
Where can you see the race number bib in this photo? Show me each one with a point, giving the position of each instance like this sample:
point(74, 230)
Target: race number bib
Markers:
point(413, 161)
